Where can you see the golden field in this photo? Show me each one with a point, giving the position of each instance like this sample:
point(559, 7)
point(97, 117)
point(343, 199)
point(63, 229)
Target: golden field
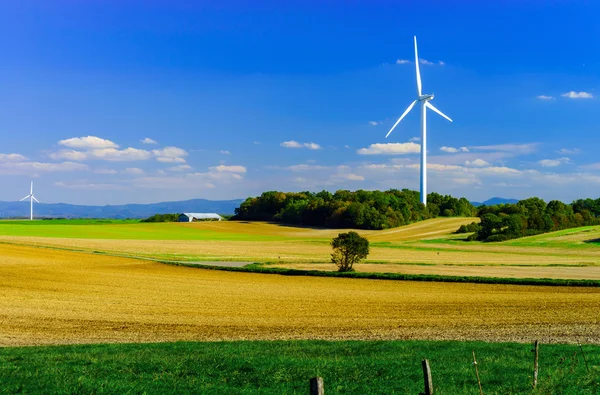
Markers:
point(426, 247)
point(56, 297)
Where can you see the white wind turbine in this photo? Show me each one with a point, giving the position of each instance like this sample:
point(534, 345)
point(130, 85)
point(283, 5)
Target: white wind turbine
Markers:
point(31, 199)
point(424, 100)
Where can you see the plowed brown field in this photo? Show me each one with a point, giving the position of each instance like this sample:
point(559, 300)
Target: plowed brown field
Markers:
point(51, 297)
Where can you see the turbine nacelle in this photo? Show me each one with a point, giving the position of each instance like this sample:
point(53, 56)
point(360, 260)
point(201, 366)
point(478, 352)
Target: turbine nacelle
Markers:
point(425, 97)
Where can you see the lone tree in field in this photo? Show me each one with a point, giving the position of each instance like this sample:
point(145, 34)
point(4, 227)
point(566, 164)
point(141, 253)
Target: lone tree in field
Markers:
point(348, 249)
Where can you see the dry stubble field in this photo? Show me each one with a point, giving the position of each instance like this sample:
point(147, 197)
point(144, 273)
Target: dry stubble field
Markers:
point(426, 247)
point(57, 297)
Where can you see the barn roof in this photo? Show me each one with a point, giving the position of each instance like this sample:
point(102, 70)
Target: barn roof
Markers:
point(202, 215)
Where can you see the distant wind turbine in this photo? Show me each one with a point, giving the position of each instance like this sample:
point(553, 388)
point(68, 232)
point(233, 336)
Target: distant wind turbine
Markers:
point(424, 100)
point(31, 199)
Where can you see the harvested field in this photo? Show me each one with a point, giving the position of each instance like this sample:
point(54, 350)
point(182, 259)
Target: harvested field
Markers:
point(292, 251)
point(59, 297)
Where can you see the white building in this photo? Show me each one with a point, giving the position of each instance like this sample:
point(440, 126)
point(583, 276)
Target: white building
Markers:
point(191, 217)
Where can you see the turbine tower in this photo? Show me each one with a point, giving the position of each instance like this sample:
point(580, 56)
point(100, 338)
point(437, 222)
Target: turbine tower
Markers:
point(31, 199)
point(424, 99)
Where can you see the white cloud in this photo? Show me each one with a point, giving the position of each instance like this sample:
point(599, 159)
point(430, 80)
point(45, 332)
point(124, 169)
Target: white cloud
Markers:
point(148, 140)
point(295, 144)
point(402, 61)
point(170, 160)
point(374, 123)
point(578, 95)
point(591, 166)
point(69, 155)
point(352, 177)
point(35, 167)
point(257, 143)
point(567, 151)
point(229, 169)
point(454, 150)
point(170, 155)
point(89, 142)
point(224, 152)
point(305, 167)
point(390, 149)
point(12, 158)
point(133, 170)
point(115, 155)
point(291, 144)
point(180, 168)
point(169, 152)
point(477, 163)
point(544, 97)
point(511, 148)
point(87, 185)
point(554, 162)
point(185, 181)
point(429, 63)
point(105, 171)
point(413, 139)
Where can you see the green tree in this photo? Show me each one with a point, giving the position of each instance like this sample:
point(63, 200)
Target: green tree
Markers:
point(348, 249)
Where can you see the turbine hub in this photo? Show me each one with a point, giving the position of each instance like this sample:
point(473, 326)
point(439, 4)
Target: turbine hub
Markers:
point(426, 97)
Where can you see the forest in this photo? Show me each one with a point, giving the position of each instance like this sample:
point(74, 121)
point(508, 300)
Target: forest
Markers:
point(530, 217)
point(345, 209)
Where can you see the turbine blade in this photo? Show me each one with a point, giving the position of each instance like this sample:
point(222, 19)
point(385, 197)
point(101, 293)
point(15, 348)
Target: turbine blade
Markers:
point(33, 197)
point(26, 197)
point(417, 66)
point(31, 189)
point(402, 116)
point(427, 104)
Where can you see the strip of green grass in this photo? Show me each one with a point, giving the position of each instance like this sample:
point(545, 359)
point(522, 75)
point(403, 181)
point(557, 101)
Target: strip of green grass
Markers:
point(278, 367)
point(75, 221)
point(266, 269)
point(122, 231)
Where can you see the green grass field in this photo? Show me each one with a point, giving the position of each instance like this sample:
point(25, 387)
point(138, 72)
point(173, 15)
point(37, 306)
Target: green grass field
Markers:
point(120, 230)
point(355, 367)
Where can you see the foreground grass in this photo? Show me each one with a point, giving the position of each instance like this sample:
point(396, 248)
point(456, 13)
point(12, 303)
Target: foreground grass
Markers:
point(285, 367)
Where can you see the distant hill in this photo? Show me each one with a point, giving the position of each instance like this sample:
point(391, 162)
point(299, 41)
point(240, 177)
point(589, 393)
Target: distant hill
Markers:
point(21, 209)
point(495, 200)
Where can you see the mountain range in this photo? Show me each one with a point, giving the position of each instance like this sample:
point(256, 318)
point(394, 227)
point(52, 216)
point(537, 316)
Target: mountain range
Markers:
point(495, 200)
point(64, 210)
point(21, 209)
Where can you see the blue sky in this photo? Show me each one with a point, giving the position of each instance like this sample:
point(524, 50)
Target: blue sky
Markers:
point(109, 102)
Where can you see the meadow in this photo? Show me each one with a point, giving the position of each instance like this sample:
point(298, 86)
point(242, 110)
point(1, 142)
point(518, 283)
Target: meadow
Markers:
point(80, 293)
point(276, 367)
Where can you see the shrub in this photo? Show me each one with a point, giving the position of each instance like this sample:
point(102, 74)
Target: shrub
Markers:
point(498, 237)
point(472, 227)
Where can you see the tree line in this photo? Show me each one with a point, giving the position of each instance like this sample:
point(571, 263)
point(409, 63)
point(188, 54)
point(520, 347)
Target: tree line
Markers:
point(345, 209)
point(530, 217)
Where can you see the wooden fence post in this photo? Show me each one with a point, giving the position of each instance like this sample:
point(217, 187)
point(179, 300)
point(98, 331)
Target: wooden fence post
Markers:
point(427, 378)
point(477, 373)
point(316, 386)
point(535, 363)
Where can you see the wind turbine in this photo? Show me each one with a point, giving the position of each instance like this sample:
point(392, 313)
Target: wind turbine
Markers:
point(424, 99)
point(31, 199)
